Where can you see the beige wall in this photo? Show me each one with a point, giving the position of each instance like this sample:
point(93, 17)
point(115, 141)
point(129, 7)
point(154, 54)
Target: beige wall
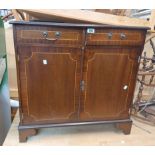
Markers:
point(11, 60)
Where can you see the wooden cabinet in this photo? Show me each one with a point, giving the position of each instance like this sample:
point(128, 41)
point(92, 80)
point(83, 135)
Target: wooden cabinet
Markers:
point(74, 74)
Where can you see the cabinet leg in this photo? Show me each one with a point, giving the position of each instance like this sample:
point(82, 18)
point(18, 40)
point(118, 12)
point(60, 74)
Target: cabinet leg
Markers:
point(125, 127)
point(25, 133)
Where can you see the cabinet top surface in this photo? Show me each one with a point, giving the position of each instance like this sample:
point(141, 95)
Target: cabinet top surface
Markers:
point(73, 25)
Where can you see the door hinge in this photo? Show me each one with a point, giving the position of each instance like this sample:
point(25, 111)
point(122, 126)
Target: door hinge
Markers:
point(82, 85)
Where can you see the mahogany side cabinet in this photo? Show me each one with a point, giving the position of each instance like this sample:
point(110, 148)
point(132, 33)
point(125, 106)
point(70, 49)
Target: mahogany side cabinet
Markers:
point(75, 74)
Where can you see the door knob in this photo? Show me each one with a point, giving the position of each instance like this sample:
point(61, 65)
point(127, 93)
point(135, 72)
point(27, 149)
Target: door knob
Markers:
point(125, 87)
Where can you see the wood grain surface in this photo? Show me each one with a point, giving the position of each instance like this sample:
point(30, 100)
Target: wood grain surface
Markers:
point(82, 76)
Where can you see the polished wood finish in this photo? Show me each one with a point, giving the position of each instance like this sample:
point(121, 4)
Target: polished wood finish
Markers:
point(115, 37)
point(68, 75)
point(78, 25)
point(37, 35)
point(25, 133)
point(106, 72)
point(125, 127)
point(55, 84)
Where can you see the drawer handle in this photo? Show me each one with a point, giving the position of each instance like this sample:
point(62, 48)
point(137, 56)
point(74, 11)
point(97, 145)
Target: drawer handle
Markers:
point(122, 36)
point(57, 35)
point(109, 35)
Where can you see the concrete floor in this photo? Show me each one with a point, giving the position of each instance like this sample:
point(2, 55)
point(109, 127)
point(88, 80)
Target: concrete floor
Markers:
point(141, 134)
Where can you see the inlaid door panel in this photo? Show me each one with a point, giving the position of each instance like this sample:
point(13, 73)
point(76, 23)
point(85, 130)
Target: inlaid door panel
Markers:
point(108, 75)
point(50, 83)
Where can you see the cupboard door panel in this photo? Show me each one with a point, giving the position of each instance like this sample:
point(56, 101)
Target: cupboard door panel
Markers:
point(109, 76)
point(50, 84)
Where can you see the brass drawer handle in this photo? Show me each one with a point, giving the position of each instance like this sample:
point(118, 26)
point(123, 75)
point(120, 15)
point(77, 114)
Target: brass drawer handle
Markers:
point(57, 36)
point(122, 36)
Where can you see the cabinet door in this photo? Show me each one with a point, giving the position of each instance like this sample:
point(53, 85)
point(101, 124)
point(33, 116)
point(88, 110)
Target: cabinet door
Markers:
point(49, 83)
point(109, 76)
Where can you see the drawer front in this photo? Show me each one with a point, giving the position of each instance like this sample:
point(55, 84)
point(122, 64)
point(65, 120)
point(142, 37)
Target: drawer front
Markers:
point(49, 35)
point(115, 37)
